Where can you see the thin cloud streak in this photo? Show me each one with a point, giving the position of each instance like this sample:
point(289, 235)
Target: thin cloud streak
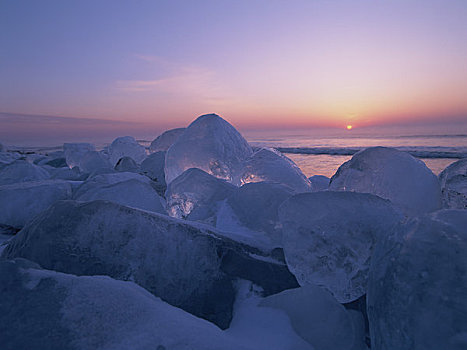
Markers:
point(190, 83)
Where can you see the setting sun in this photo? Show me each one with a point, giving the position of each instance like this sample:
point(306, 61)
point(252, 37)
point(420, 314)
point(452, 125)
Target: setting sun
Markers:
point(349, 127)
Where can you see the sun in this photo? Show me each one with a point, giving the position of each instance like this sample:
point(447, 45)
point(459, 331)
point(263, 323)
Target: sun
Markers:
point(349, 127)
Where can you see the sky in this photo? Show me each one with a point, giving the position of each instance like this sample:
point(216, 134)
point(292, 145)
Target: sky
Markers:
point(258, 64)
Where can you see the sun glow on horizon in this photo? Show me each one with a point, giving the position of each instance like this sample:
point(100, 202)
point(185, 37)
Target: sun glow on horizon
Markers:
point(328, 65)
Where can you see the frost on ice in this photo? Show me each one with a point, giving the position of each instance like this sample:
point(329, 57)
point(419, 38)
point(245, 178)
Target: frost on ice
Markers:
point(195, 195)
point(126, 146)
point(131, 193)
point(191, 267)
point(252, 211)
point(210, 144)
point(165, 140)
point(329, 238)
point(418, 282)
point(271, 166)
point(61, 311)
point(393, 175)
point(8, 157)
point(21, 201)
point(68, 174)
point(453, 182)
point(94, 182)
point(22, 171)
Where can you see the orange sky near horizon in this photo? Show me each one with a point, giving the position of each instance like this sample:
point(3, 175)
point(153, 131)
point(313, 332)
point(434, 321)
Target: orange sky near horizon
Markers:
point(270, 64)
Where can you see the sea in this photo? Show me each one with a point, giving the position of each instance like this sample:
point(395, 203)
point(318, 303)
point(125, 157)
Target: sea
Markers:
point(322, 151)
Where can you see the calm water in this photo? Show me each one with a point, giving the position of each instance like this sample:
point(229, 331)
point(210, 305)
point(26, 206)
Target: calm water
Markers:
point(318, 154)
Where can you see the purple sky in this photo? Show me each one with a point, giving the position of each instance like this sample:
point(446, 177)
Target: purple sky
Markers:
point(256, 63)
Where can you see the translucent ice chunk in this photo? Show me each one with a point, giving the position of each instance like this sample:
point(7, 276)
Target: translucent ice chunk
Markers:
point(453, 182)
point(252, 210)
point(195, 195)
point(210, 144)
point(391, 174)
point(165, 140)
point(417, 286)
point(75, 151)
point(329, 238)
point(271, 166)
point(126, 146)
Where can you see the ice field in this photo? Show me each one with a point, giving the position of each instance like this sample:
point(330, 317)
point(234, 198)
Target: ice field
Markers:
point(203, 240)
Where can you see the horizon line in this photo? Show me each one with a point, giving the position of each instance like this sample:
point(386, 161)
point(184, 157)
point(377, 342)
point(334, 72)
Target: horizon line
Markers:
point(247, 125)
